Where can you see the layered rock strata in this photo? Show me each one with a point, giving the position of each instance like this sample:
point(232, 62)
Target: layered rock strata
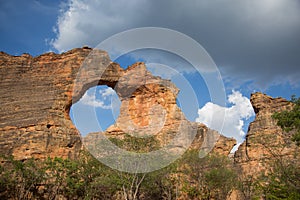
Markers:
point(37, 92)
point(149, 109)
point(265, 140)
point(35, 97)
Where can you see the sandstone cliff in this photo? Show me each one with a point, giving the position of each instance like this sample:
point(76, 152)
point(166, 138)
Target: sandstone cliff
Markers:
point(149, 108)
point(36, 96)
point(265, 140)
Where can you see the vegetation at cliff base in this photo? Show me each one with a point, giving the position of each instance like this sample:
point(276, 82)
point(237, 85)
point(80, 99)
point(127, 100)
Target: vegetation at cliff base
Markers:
point(190, 177)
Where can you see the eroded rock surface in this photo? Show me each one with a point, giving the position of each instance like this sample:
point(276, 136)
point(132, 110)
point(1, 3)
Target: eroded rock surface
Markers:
point(36, 96)
point(264, 139)
point(149, 108)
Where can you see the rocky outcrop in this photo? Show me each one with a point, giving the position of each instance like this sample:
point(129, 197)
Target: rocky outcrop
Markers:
point(148, 103)
point(265, 139)
point(35, 98)
point(37, 92)
point(149, 109)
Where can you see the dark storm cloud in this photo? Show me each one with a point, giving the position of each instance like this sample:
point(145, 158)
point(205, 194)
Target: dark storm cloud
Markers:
point(250, 40)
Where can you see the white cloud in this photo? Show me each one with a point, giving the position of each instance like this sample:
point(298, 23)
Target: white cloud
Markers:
point(107, 92)
point(89, 98)
point(87, 118)
point(233, 120)
point(88, 22)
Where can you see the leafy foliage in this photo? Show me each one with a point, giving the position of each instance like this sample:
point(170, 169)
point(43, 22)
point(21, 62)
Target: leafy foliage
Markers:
point(136, 144)
point(53, 178)
point(290, 120)
point(211, 177)
point(87, 178)
point(283, 181)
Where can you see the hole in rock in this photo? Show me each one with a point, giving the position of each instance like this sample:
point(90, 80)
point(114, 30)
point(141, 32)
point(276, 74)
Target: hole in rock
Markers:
point(96, 110)
point(49, 126)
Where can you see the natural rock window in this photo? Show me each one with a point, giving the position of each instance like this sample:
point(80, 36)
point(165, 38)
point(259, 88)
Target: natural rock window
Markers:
point(97, 109)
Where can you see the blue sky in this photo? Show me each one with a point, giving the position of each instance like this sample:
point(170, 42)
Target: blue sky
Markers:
point(254, 43)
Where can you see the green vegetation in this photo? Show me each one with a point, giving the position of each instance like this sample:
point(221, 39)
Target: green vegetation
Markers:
point(290, 120)
point(280, 181)
point(283, 181)
point(190, 177)
point(136, 144)
point(211, 177)
point(87, 178)
point(54, 178)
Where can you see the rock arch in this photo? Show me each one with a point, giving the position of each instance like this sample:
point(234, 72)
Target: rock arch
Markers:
point(37, 92)
point(36, 96)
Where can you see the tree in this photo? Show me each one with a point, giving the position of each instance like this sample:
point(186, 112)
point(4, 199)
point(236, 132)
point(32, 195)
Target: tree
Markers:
point(211, 177)
point(282, 182)
point(130, 183)
point(54, 178)
point(290, 120)
point(21, 179)
point(162, 184)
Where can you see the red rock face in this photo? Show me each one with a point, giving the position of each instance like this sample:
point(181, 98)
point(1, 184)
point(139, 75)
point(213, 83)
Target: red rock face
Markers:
point(148, 102)
point(35, 98)
point(264, 137)
point(36, 94)
point(149, 108)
